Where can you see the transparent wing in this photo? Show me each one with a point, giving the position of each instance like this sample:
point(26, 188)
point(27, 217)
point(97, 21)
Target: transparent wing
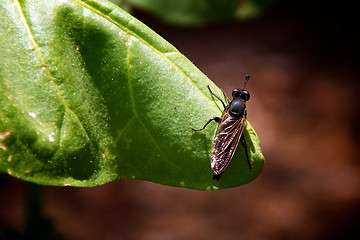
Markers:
point(226, 141)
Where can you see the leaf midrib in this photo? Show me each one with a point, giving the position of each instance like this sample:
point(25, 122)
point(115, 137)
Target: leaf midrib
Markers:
point(128, 45)
point(43, 65)
point(130, 33)
point(110, 19)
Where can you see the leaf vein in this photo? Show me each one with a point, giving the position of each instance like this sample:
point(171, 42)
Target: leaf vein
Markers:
point(43, 63)
point(128, 45)
point(129, 32)
point(128, 48)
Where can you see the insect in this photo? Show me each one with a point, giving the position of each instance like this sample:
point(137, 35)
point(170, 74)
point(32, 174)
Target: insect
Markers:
point(230, 130)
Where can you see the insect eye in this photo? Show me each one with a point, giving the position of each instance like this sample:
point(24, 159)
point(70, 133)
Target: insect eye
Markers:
point(236, 93)
point(245, 95)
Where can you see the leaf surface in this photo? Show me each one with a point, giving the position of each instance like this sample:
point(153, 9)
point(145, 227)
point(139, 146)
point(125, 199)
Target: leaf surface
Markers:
point(200, 12)
point(89, 95)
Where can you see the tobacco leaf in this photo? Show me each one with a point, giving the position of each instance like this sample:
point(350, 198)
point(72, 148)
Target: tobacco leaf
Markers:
point(89, 95)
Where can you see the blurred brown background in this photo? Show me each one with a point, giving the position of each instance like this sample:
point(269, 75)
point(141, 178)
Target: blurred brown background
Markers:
point(305, 107)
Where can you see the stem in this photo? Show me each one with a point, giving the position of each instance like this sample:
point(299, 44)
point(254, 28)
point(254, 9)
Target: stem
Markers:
point(36, 225)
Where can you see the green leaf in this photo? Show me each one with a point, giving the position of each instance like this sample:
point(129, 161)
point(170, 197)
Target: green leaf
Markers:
point(199, 12)
point(89, 95)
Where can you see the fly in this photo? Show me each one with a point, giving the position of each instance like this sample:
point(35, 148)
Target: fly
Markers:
point(230, 130)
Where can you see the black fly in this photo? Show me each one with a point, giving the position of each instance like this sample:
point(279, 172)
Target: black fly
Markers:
point(229, 131)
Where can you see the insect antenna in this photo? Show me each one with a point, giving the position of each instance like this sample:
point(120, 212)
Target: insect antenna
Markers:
point(247, 77)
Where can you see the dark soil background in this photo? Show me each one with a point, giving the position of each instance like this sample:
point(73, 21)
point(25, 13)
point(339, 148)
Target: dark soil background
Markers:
point(304, 63)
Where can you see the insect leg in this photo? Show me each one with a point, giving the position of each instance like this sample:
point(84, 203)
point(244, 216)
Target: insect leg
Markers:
point(225, 96)
point(216, 119)
point(218, 97)
point(243, 143)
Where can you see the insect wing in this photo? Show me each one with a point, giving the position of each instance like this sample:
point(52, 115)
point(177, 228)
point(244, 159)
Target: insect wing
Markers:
point(226, 141)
